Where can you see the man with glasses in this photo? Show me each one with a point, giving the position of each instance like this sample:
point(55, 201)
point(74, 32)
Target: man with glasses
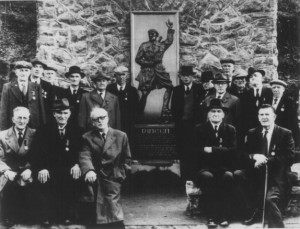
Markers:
point(104, 159)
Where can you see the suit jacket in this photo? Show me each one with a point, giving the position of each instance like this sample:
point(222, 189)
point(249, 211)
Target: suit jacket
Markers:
point(287, 117)
point(12, 97)
point(92, 99)
point(13, 156)
point(51, 152)
point(250, 109)
point(128, 101)
point(74, 101)
point(224, 152)
point(177, 103)
point(233, 104)
point(233, 90)
point(280, 154)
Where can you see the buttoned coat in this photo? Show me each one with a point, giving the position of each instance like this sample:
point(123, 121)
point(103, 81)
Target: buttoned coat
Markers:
point(109, 159)
point(92, 99)
point(280, 154)
point(234, 110)
point(12, 156)
point(12, 97)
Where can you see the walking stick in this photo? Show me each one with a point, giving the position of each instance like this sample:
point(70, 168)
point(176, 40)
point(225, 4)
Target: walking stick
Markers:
point(265, 196)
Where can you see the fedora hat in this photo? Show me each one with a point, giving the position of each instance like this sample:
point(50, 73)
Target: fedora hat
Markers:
point(37, 61)
point(187, 70)
point(216, 104)
point(220, 78)
point(262, 72)
point(74, 69)
point(100, 76)
point(61, 104)
point(207, 76)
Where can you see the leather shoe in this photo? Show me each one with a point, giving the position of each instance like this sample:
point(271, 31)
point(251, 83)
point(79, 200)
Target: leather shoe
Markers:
point(211, 223)
point(254, 218)
point(224, 223)
point(46, 223)
point(67, 222)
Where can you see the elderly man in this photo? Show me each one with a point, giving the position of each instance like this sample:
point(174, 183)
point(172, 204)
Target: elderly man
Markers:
point(74, 92)
point(128, 98)
point(239, 86)
point(104, 158)
point(50, 74)
point(15, 166)
point(216, 146)
point(55, 151)
point(230, 101)
point(21, 92)
point(228, 69)
point(99, 97)
point(270, 147)
point(285, 109)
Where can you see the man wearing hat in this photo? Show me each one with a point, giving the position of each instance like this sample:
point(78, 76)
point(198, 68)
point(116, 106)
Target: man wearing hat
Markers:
point(128, 98)
point(99, 97)
point(216, 150)
point(15, 166)
point(55, 165)
point(153, 74)
point(206, 80)
point(230, 101)
point(254, 98)
point(185, 109)
point(239, 86)
point(228, 69)
point(74, 92)
point(285, 109)
point(50, 74)
point(21, 92)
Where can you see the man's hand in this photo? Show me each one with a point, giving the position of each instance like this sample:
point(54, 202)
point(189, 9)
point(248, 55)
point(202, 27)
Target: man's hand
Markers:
point(91, 176)
point(169, 24)
point(10, 175)
point(75, 171)
point(208, 149)
point(43, 176)
point(26, 174)
point(260, 160)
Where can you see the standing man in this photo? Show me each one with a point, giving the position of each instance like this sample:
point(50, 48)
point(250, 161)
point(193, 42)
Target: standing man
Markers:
point(55, 151)
point(239, 86)
point(206, 80)
point(230, 101)
point(228, 69)
point(99, 97)
point(74, 92)
point(15, 146)
point(21, 92)
point(285, 109)
point(216, 146)
point(128, 98)
point(269, 147)
point(104, 159)
point(153, 74)
point(186, 101)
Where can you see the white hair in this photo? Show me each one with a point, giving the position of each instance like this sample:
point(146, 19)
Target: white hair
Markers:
point(96, 110)
point(23, 109)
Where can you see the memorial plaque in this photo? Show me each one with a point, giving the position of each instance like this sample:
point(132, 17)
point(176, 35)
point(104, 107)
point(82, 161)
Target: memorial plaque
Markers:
point(155, 141)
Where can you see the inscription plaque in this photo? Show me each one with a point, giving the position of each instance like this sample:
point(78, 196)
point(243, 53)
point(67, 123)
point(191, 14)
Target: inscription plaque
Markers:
point(154, 141)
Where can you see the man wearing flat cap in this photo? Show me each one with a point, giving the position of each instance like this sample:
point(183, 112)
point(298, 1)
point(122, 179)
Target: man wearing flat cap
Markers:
point(50, 74)
point(254, 98)
point(128, 98)
point(55, 165)
point(74, 92)
point(153, 74)
point(21, 92)
point(99, 97)
point(185, 109)
point(230, 101)
point(239, 83)
point(216, 149)
point(228, 69)
point(285, 109)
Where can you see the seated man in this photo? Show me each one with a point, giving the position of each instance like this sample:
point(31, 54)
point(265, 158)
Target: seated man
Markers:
point(217, 151)
point(15, 144)
point(104, 157)
point(269, 148)
point(55, 151)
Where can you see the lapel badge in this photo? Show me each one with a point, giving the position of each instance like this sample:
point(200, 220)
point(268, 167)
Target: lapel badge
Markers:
point(33, 95)
point(67, 145)
point(282, 108)
point(220, 141)
point(77, 101)
point(44, 93)
point(272, 153)
point(25, 144)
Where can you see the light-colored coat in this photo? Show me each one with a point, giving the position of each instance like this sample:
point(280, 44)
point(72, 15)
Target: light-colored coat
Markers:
point(109, 160)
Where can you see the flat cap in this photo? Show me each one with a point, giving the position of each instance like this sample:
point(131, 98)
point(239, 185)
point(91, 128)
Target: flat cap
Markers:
point(51, 68)
point(37, 61)
point(22, 64)
point(120, 69)
point(100, 76)
point(260, 71)
point(230, 61)
point(239, 73)
point(278, 82)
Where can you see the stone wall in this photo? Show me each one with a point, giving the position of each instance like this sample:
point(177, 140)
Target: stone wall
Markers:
point(95, 34)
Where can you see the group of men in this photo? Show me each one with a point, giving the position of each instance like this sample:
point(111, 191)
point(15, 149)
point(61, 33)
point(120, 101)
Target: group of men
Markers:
point(231, 130)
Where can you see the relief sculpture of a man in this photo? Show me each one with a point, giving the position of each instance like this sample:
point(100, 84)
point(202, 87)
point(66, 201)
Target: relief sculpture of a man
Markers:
point(153, 74)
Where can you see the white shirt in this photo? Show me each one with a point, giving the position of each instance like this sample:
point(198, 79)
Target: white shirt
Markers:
point(17, 132)
point(269, 135)
point(259, 91)
point(37, 81)
point(188, 87)
point(73, 89)
point(222, 95)
point(277, 102)
point(119, 87)
point(103, 94)
point(214, 125)
point(23, 85)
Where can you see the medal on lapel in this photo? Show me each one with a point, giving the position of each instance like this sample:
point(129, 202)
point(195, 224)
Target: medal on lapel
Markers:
point(220, 141)
point(273, 151)
point(33, 95)
point(44, 93)
point(282, 108)
point(25, 144)
point(67, 145)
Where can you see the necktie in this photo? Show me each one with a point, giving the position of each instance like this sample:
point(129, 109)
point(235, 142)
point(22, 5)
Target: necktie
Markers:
point(20, 137)
point(265, 143)
point(23, 90)
point(219, 97)
point(187, 91)
point(74, 92)
point(61, 133)
point(275, 101)
point(103, 136)
point(216, 131)
point(257, 97)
